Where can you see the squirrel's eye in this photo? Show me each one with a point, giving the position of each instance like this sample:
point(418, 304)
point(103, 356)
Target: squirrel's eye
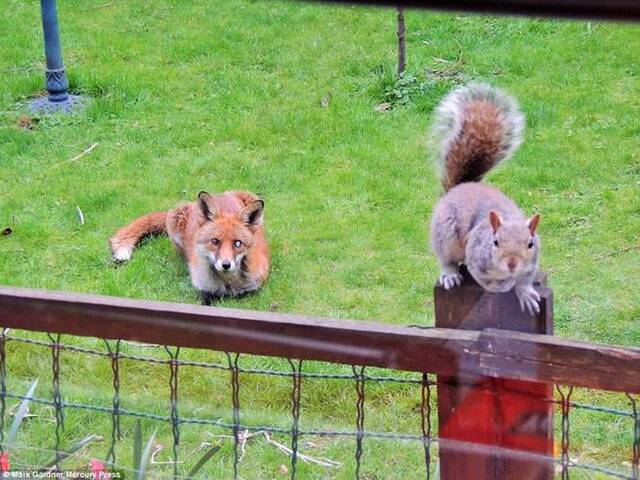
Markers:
point(495, 243)
point(530, 244)
point(237, 243)
point(215, 241)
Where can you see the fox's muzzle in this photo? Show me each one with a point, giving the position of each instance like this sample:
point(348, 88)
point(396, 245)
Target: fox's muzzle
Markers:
point(224, 266)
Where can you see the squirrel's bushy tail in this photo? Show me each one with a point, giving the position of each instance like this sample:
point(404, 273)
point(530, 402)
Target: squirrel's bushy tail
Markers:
point(476, 126)
point(125, 239)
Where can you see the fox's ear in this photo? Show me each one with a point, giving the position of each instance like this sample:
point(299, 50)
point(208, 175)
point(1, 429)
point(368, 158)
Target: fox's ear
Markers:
point(207, 207)
point(532, 223)
point(252, 213)
point(495, 220)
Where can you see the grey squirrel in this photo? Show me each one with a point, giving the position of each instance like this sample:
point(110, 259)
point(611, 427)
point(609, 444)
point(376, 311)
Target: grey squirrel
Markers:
point(477, 127)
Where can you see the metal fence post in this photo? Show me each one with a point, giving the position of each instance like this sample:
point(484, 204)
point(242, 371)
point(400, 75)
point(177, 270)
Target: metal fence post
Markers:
point(493, 417)
point(56, 83)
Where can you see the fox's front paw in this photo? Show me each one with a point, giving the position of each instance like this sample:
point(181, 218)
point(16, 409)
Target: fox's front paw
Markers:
point(529, 299)
point(450, 280)
point(206, 298)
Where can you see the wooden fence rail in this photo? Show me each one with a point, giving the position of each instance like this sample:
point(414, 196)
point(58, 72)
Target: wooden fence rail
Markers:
point(442, 351)
point(628, 10)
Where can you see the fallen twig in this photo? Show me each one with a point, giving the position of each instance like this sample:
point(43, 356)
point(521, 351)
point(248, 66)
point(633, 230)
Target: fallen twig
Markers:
point(88, 150)
point(325, 462)
point(618, 252)
point(80, 215)
point(153, 460)
point(244, 436)
point(158, 448)
point(56, 165)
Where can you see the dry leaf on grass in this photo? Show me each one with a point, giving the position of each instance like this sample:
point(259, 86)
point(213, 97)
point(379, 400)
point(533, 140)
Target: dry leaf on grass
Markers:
point(25, 121)
point(382, 107)
point(325, 100)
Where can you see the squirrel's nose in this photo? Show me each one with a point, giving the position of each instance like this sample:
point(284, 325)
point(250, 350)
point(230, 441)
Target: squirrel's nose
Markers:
point(512, 264)
point(226, 264)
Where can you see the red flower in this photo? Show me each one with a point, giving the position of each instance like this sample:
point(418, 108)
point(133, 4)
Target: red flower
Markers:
point(97, 468)
point(4, 462)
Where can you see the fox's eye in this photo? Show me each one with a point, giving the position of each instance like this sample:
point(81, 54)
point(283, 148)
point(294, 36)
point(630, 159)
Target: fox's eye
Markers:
point(495, 243)
point(237, 243)
point(215, 241)
point(530, 244)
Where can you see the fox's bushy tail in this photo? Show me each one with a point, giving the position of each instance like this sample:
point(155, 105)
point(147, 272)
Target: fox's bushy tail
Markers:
point(125, 239)
point(476, 127)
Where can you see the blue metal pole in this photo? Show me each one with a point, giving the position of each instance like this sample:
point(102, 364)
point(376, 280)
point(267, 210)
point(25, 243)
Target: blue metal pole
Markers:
point(56, 82)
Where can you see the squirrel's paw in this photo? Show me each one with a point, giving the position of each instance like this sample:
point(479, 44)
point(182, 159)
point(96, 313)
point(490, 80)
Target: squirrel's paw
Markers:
point(450, 280)
point(529, 299)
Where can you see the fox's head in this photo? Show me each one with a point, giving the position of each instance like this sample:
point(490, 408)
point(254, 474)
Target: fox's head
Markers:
point(225, 239)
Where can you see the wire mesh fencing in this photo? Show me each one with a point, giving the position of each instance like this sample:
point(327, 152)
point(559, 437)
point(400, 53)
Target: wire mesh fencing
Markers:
point(271, 417)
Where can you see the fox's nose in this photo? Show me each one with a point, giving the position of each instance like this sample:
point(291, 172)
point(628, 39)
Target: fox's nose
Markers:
point(226, 264)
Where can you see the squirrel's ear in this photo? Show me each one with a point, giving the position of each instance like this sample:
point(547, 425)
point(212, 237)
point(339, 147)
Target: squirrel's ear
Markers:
point(495, 220)
point(532, 223)
point(207, 207)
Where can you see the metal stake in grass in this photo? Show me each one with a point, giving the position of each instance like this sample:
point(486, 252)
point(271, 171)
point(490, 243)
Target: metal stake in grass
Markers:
point(56, 83)
point(402, 56)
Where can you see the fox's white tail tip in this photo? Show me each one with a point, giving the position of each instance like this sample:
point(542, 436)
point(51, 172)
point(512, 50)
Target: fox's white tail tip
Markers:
point(122, 254)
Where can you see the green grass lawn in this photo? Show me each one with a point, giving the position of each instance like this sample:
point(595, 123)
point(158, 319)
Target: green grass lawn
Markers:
point(193, 95)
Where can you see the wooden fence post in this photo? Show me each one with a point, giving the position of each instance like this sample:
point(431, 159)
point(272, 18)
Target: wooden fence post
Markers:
point(496, 415)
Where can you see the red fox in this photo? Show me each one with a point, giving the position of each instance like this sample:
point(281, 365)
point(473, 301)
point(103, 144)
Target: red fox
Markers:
point(221, 237)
